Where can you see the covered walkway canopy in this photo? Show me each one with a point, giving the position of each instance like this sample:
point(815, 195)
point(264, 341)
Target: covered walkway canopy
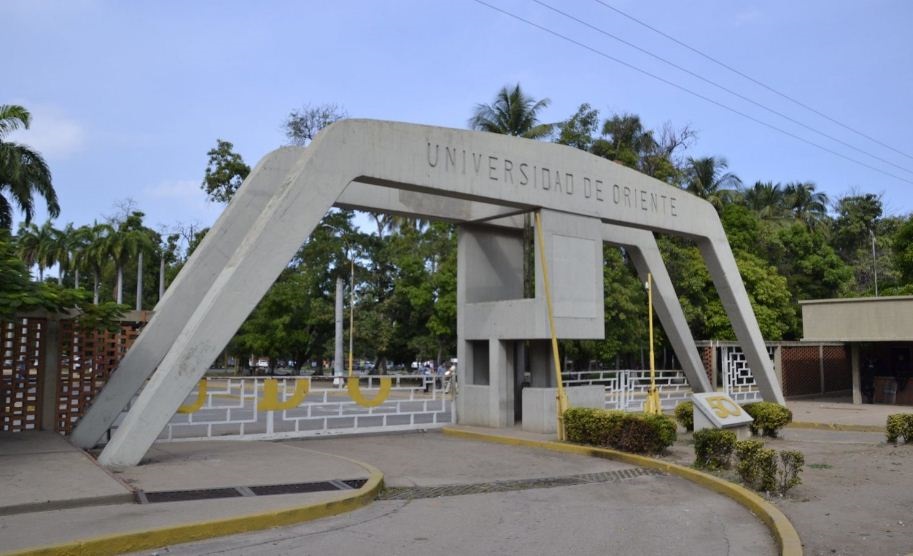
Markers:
point(879, 331)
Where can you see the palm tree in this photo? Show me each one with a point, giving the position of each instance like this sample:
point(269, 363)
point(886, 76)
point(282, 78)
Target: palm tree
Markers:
point(705, 178)
point(805, 204)
point(512, 113)
point(62, 250)
point(36, 246)
point(80, 241)
point(97, 252)
point(130, 240)
point(628, 140)
point(767, 199)
point(23, 172)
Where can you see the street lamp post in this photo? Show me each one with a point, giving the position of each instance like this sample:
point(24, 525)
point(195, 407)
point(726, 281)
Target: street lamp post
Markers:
point(874, 261)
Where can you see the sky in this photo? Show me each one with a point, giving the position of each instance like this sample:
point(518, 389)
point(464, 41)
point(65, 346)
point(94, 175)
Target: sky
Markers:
point(128, 97)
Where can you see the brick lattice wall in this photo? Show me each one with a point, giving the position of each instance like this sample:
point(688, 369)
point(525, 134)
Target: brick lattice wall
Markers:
point(801, 373)
point(21, 368)
point(86, 360)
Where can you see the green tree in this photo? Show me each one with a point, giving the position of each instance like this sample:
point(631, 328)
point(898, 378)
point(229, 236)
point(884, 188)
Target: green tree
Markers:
point(302, 125)
point(706, 178)
point(512, 113)
point(903, 251)
point(812, 268)
point(806, 204)
point(19, 294)
point(36, 246)
point(225, 172)
point(766, 199)
point(23, 172)
point(579, 130)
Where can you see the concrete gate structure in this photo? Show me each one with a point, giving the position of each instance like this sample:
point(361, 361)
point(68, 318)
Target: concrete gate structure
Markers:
point(485, 182)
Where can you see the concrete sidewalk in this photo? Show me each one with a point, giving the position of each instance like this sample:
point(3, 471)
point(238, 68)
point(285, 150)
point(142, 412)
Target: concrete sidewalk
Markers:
point(52, 493)
point(842, 412)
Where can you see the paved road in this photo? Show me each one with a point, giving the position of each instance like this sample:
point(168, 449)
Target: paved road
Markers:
point(516, 508)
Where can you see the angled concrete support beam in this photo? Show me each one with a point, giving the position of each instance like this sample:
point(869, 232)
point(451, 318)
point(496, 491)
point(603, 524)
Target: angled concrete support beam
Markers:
point(725, 275)
point(183, 296)
point(641, 247)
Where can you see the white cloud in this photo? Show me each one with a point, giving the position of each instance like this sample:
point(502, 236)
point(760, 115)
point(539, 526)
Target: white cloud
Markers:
point(52, 133)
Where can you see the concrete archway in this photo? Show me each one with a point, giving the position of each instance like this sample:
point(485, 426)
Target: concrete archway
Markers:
point(461, 176)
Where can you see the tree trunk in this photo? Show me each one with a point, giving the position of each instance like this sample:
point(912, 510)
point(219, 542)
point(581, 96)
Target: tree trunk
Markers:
point(139, 281)
point(95, 290)
point(161, 277)
point(40, 273)
point(76, 276)
point(120, 284)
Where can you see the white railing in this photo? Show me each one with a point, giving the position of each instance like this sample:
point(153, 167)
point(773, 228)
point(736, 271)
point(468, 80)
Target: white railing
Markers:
point(738, 381)
point(626, 389)
point(256, 408)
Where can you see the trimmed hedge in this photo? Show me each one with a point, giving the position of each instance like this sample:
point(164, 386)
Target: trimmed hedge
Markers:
point(640, 434)
point(713, 448)
point(900, 425)
point(684, 414)
point(768, 417)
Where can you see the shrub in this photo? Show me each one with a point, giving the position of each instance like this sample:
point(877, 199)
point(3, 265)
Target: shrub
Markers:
point(684, 414)
point(713, 448)
point(760, 468)
point(768, 417)
point(592, 426)
point(791, 463)
point(900, 425)
point(616, 429)
point(746, 452)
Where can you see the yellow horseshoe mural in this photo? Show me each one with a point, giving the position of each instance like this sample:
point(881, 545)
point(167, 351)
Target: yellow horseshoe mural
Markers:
point(355, 391)
point(270, 400)
point(198, 403)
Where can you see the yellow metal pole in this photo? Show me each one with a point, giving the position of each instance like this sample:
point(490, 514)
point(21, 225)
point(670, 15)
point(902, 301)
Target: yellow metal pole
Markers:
point(561, 398)
point(652, 404)
point(351, 316)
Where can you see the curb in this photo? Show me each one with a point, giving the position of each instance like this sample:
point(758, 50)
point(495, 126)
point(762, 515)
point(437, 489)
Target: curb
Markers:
point(781, 528)
point(119, 543)
point(835, 427)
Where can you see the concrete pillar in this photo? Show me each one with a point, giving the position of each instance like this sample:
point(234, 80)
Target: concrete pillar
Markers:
point(857, 379)
point(821, 366)
point(778, 362)
point(338, 352)
point(501, 383)
point(51, 374)
point(541, 364)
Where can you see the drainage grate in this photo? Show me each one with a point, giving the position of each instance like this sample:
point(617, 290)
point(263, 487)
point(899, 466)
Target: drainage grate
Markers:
point(410, 493)
point(185, 495)
point(144, 497)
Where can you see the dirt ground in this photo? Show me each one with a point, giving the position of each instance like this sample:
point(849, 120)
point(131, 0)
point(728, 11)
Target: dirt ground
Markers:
point(856, 496)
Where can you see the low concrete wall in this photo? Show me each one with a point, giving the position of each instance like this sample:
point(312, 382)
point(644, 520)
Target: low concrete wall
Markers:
point(474, 405)
point(540, 411)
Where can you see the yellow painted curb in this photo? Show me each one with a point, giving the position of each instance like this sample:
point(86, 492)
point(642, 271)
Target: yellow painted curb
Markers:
point(835, 427)
point(133, 541)
point(782, 530)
